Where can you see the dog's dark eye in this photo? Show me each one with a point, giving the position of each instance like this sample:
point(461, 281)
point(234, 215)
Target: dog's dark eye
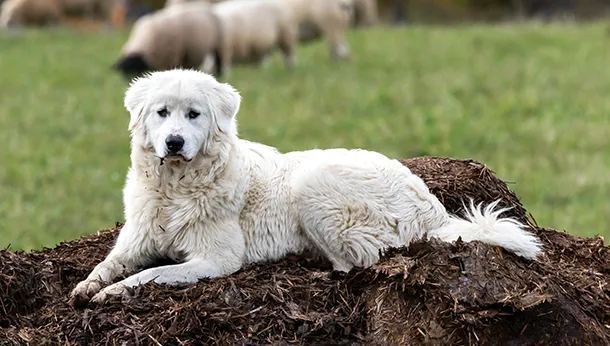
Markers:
point(193, 114)
point(162, 112)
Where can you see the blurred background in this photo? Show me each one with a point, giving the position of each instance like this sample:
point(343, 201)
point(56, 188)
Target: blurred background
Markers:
point(520, 85)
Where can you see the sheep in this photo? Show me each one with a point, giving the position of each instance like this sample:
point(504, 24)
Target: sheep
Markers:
point(253, 29)
point(15, 13)
point(327, 18)
point(53, 12)
point(177, 36)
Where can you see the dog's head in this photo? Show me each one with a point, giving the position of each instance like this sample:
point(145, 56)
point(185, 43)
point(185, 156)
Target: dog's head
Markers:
point(179, 113)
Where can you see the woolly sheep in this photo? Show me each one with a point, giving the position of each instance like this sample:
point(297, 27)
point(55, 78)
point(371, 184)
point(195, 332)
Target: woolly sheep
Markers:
point(15, 13)
point(254, 28)
point(177, 36)
point(328, 18)
point(52, 12)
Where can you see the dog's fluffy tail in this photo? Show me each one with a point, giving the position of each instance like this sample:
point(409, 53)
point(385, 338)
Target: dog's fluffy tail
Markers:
point(485, 225)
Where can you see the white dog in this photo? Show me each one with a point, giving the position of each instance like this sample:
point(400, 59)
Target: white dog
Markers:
point(198, 194)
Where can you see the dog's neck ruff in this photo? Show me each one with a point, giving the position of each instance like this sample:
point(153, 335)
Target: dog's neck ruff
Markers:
point(205, 168)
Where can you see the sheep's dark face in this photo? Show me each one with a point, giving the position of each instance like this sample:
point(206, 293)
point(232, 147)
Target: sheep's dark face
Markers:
point(132, 66)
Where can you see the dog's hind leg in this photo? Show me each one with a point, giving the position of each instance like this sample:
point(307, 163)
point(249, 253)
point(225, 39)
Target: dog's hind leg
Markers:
point(350, 213)
point(345, 245)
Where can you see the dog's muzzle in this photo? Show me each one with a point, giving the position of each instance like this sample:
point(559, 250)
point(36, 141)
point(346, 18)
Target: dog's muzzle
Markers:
point(174, 144)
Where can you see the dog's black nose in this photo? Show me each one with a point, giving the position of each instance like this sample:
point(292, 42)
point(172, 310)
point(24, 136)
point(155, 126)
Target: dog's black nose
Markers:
point(174, 143)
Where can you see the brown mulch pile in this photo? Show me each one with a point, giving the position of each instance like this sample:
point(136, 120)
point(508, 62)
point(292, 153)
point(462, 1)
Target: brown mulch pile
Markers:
point(432, 293)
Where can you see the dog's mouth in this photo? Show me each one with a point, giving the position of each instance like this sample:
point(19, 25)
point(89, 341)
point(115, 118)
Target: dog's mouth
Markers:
point(174, 158)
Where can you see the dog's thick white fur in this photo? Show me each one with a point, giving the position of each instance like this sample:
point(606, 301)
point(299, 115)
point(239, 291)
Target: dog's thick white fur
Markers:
point(221, 202)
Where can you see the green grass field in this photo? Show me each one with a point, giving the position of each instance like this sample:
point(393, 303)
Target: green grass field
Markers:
point(530, 101)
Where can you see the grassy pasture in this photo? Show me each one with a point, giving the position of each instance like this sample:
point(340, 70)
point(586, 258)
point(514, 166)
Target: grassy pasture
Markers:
point(530, 101)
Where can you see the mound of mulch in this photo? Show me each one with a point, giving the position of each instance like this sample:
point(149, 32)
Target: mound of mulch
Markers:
point(432, 293)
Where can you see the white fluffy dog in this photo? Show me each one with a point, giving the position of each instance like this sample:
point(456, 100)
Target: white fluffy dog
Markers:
point(198, 194)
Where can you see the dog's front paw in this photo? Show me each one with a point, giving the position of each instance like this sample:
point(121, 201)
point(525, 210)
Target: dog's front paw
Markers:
point(118, 290)
point(84, 291)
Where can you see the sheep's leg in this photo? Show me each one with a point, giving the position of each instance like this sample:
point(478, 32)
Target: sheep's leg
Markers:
point(288, 42)
point(264, 60)
point(208, 64)
point(338, 45)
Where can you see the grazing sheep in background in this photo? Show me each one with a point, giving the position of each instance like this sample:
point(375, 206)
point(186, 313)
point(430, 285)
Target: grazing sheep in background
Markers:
point(177, 36)
point(16, 13)
point(53, 12)
point(254, 28)
point(327, 18)
point(315, 18)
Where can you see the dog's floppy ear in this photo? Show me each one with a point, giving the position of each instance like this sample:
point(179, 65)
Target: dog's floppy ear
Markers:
point(224, 104)
point(135, 99)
